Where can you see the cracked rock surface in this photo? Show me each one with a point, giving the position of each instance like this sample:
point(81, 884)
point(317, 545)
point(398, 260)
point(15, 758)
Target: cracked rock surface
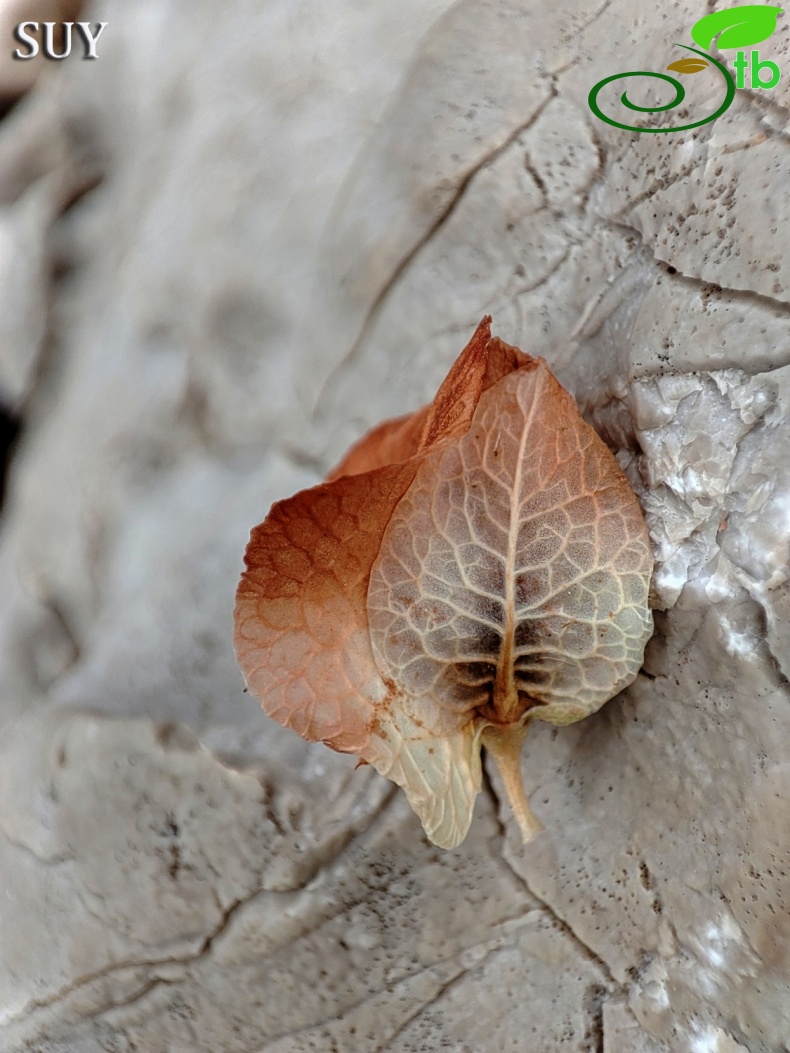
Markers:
point(231, 245)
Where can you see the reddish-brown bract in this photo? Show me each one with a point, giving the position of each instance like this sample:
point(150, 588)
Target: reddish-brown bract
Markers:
point(465, 569)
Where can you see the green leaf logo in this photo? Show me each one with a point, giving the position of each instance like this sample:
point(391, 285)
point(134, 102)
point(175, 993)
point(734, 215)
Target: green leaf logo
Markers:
point(688, 65)
point(737, 27)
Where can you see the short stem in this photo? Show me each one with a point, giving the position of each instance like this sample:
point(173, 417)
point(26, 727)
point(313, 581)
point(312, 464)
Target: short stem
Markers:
point(504, 745)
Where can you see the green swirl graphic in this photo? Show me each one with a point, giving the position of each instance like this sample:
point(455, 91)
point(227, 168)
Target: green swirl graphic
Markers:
point(680, 94)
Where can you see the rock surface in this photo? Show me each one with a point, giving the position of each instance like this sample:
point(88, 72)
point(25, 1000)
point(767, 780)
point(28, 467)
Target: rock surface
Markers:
point(231, 245)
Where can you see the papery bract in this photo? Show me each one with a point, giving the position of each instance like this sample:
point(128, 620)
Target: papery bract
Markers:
point(468, 568)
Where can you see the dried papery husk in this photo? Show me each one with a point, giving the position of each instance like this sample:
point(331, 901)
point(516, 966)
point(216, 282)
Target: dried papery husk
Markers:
point(476, 565)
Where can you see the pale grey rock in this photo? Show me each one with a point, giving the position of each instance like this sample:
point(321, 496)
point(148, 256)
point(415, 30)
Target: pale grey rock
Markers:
point(302, 215)
point(23, 282)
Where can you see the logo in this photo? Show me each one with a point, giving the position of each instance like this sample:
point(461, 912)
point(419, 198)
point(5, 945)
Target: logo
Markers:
point(735, 27)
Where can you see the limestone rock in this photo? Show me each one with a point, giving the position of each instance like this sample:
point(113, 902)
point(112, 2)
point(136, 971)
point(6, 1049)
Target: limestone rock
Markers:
point(237, 243)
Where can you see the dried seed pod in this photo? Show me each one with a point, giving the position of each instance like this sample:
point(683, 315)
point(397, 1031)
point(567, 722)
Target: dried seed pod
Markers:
point(466, 569)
